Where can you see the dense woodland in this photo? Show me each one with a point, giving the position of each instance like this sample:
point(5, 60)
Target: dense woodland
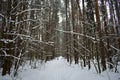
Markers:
point(83, 31)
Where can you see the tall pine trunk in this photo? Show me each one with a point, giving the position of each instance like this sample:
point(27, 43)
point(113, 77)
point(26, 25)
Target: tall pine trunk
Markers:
point(101, 44)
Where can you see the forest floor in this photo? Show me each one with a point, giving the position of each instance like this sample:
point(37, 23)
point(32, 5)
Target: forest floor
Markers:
point(59, 69)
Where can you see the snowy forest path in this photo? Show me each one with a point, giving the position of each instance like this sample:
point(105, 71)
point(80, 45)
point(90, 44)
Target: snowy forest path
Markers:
point(59, 69)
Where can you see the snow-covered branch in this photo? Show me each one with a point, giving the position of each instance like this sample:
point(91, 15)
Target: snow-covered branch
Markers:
point(27, 10)
point(84, 47)
point(4, 52)
point(26, 21)
point(50, 43)
point(17, 5)
point(3, 16)
point(36, 26)
point(7, 55)
point(112, 47)
point(10, 56)
point(7, 40)
point(20, 35)
point(71, 32)
point(87, 23)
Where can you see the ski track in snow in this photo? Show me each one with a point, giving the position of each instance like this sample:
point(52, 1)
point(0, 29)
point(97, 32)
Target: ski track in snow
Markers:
point(59, 69)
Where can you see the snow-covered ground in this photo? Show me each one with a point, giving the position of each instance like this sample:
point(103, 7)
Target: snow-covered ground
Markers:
point(59, 69)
